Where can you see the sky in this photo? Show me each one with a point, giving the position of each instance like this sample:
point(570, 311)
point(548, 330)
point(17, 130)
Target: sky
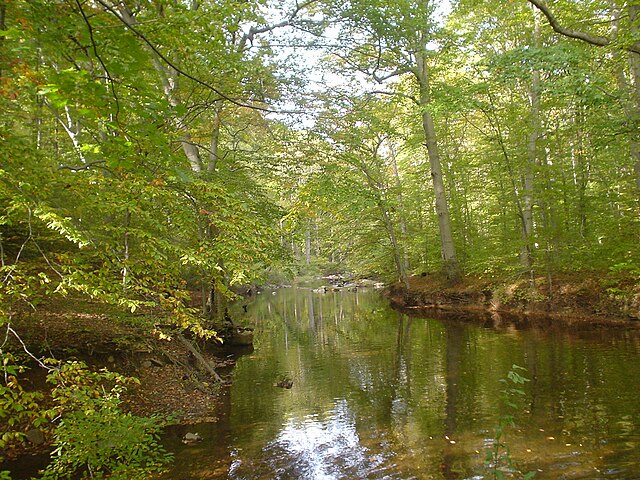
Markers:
point(309, 63)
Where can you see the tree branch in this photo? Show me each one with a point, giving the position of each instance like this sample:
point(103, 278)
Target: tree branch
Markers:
point(394, 94)
point(568, 32)
point(95, 51)
point(86, 166)
point(198, 356)
point(255, 30)
point(172, 65)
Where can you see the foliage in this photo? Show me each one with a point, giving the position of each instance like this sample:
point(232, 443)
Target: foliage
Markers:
point(140, 166)
point(20, 410)
point(498, 461)
point(94, 436)
point(570, 163)
point(94, 197)
point(136, 163)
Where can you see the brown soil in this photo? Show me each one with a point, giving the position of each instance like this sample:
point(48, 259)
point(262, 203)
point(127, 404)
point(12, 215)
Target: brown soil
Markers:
point(171, 381)
point(590, 299)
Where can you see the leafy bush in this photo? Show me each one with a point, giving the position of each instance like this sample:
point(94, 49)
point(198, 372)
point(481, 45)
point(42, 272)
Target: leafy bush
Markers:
point(19, 410)
point(94, 436)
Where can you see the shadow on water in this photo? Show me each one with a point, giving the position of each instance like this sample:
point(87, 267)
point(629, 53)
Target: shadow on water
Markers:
point(378, 394)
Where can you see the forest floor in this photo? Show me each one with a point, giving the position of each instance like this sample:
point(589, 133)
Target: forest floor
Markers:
point(588, 298)
point(171, 380)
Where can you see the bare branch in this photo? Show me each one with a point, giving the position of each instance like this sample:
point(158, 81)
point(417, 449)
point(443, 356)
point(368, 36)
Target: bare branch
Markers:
point(382, 78)
point(26, 350)
point(86, 166)
point(255, 30)
point(568, 32)
point(67, 127)
point(394, 94)
point(347, 59)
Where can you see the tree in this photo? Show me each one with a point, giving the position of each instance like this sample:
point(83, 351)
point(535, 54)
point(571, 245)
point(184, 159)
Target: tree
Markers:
point(360, 138)
point(395, 40)
point(623, 38)
point(98, 103)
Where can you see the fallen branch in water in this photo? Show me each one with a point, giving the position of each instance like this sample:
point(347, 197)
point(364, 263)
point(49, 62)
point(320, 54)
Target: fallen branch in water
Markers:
point(198, 356)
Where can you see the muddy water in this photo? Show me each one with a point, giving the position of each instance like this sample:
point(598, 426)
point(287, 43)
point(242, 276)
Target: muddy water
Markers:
point(380, 395)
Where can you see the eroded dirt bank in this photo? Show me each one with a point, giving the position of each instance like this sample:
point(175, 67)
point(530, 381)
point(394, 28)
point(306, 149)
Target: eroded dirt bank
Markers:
point(572, 299)
point(172, 379)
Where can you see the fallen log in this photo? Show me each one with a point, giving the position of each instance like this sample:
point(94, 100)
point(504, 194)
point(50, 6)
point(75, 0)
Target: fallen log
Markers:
point(200, 359)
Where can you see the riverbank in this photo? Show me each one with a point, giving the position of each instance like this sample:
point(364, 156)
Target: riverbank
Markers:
point(589, 299)
point(174, 370)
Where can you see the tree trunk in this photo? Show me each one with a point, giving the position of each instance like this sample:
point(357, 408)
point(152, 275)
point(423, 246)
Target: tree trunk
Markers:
point(397, 257)
point(214, 150)
point(526, 255)
point(403, 225)
point(447, 246)
point(3, 26)
point(383, 207)
point(307, 245)
point(68, 126)
point(199, 358)
point(127, 249)
point(580, 170)
point(634, 61)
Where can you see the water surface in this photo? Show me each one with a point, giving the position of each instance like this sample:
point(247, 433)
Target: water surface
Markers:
point(380, 395)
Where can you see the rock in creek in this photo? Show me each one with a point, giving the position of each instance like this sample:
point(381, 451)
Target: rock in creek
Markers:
point(284, 383)
point(191, 438)
point(240, 337)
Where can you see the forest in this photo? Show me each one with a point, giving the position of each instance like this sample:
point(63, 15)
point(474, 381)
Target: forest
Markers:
point(164, 154)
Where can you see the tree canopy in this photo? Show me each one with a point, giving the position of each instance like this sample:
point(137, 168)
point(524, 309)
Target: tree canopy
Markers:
point(158, 151)
point(162, 154)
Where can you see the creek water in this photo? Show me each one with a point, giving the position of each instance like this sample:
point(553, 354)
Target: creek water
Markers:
point(380, 395)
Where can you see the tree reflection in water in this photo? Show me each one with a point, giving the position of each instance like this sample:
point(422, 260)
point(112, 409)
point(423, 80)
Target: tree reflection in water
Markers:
point(377, 394)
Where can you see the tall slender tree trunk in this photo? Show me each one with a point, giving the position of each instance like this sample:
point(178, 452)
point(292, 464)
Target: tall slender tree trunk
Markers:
point(401, 216)
point(307, 245)
point(3, 25)
point(547, 206)
point(634, 61)
point(387, 221)
point(216, 304)
point(526, 254)
point(447, 245)
point(581, 169)
point(127, 250)
point(397, 256)
point(214, 149)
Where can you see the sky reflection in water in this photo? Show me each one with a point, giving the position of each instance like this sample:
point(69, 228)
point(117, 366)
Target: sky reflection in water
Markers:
point(379, 395)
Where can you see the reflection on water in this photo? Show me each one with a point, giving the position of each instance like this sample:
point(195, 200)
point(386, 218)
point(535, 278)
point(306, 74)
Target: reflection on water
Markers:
point(313, 447)
point(380, 395)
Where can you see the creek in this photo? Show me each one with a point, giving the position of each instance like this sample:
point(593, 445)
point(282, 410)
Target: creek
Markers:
point(378, 394)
